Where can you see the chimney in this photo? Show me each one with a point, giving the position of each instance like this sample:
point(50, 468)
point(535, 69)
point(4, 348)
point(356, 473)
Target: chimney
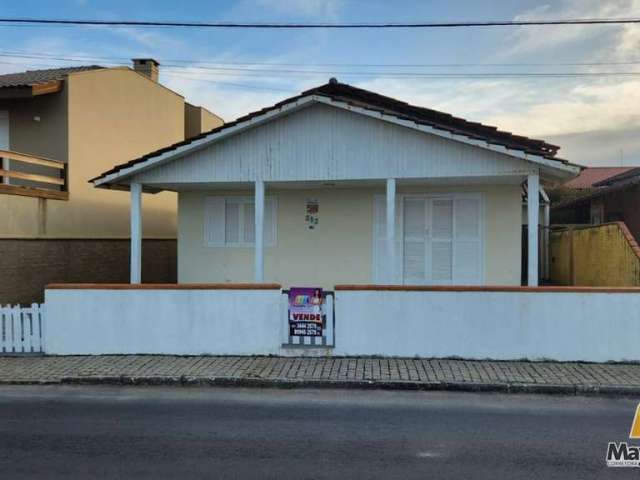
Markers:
point(147, 66)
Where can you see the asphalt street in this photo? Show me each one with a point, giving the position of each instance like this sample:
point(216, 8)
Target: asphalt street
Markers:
point(162, 432)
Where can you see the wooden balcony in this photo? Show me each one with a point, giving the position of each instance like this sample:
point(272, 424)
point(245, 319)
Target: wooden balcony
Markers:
point(32, 176)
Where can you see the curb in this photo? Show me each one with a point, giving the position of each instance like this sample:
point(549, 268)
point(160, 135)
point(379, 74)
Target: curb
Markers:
point(284, 383)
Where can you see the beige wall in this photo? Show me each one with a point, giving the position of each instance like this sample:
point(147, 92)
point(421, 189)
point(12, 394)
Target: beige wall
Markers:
point(198, 120)
point(339, 250)
point(114, 115)
point(209, 120)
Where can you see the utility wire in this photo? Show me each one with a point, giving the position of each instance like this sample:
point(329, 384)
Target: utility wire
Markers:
point(265, 72)
point(194, 63)
point(269, 25)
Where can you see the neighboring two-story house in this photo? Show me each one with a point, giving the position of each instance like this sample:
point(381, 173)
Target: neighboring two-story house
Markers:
point(61, 127)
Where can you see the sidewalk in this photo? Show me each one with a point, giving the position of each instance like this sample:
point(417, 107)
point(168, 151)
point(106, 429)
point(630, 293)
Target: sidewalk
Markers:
point(388, 373)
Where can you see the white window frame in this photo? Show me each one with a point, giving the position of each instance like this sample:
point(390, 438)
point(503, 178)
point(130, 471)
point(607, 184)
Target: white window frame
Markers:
point(243, 202)
point(270, 202)
point(400, 232)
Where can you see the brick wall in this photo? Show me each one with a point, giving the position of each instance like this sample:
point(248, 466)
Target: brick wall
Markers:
point(27, 265)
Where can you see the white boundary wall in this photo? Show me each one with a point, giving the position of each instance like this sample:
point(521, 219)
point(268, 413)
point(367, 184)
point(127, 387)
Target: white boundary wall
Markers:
point(181, 321)
point(570, 325)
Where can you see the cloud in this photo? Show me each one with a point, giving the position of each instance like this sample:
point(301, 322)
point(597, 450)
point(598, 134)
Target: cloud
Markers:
point(600, 147)
point(527, 39)
point(568, 110)
point(584, 108)
point(149, 39)
point(307, 8)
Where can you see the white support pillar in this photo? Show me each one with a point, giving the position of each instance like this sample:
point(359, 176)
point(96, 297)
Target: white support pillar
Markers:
point(136, 233)
point(259, 229)
point(533, 212)
point(391, 230)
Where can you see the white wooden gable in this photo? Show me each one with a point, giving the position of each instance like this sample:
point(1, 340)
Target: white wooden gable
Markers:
point(321, 142)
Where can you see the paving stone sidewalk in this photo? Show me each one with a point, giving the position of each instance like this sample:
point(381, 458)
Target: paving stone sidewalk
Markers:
point(391, 373)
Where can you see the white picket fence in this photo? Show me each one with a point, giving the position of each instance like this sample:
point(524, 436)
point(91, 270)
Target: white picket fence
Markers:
point(21, 329)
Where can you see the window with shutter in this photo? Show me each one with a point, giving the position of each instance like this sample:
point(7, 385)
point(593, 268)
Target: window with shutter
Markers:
point(230, 221)
point(415, 238)
point(467, 265)
point(440, 239)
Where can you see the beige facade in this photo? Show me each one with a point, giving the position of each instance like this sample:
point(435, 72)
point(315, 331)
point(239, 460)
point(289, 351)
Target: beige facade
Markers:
point(340, 248)
point(100, 118)
point(198, 119)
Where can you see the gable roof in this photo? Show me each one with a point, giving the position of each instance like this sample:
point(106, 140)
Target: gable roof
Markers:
point(372, 102)
point(36, 77)
point(591, 176)
point(628, 173)
point(628, 178)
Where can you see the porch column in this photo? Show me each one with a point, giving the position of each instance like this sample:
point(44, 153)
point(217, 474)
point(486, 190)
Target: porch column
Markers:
point(259, 231)
point(391, 230)
point(533, 209)
point(136, 232)
point(546, 221)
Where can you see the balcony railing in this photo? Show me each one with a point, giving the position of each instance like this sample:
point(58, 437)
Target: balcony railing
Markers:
point(32, 176)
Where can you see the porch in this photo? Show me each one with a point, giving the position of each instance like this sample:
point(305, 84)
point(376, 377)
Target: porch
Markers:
point(441, 231)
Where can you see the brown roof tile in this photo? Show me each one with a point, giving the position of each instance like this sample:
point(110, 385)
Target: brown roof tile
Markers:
point(590, 176)
point(35, 77)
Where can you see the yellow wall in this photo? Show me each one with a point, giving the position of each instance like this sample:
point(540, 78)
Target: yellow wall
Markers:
point(114, 115)
point(339, 250)
point(198, 120)
point(209, 120)
point(603, 256)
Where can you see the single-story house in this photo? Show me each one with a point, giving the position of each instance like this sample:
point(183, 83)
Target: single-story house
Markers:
point(343, 185)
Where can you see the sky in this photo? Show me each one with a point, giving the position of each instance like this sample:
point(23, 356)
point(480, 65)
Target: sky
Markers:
point(595, 118)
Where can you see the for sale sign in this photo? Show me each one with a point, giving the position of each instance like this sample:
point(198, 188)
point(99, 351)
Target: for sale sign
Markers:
point(306, 311)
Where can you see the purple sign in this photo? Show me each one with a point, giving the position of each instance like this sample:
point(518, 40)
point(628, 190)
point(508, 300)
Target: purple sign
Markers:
point(306, 311)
